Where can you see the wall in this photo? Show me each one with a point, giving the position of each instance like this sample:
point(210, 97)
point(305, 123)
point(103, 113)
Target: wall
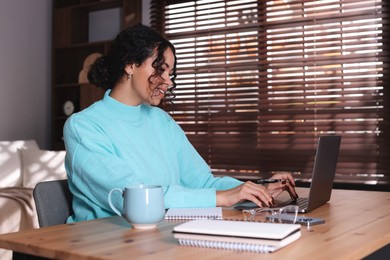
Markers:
point(25, 68)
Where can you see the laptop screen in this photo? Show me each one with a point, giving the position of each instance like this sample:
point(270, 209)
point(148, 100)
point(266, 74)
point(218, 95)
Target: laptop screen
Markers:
point(324, 170)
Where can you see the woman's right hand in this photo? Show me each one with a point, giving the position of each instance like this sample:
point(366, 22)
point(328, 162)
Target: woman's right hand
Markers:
point(256, 193)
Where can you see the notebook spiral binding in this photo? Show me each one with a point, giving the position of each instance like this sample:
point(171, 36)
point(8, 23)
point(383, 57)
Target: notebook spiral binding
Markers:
point(189, 217)
point(227, 245)
point(212, 213)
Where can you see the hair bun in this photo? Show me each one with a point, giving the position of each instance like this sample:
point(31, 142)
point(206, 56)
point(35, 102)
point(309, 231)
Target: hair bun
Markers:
point(89, 60)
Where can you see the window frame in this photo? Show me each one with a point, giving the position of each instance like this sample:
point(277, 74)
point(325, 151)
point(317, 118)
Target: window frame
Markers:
point(301, 168)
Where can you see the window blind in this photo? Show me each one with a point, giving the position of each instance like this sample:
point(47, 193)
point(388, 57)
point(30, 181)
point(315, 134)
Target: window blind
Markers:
point(259, 81)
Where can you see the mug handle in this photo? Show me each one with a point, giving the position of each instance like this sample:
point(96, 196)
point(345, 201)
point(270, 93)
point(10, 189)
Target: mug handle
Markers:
point(110, 202)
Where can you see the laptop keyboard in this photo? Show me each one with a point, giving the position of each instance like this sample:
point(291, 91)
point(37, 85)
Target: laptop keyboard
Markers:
point(301, 202)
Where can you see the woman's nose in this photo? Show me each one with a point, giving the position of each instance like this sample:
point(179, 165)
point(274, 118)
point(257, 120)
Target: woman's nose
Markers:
point(168, 81)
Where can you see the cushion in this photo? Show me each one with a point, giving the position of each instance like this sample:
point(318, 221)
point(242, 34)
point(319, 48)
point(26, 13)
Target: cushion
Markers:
point(17, 213)
point(10, 162)
point(42, 165)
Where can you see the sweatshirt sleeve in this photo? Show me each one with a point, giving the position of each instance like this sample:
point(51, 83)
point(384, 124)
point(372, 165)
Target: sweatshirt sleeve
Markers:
point(198, 186)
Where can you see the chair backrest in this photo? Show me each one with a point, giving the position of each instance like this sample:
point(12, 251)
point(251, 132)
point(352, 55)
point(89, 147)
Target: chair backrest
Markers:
point(53, 201)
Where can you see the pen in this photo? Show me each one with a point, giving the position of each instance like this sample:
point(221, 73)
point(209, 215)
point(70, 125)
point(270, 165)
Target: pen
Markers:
point(264, 181)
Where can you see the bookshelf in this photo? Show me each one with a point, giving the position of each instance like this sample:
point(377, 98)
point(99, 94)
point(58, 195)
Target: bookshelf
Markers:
point(80, 29)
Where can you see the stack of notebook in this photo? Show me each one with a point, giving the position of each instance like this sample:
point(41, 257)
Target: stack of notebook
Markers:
point(236, 235)
point(206, 228)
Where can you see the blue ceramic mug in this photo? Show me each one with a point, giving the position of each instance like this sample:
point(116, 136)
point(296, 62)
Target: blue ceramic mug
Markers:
point(143, 205)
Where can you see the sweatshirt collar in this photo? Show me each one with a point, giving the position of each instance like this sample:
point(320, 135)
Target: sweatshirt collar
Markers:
point(122, 111)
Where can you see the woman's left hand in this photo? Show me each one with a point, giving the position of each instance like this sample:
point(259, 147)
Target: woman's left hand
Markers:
point(287, 184)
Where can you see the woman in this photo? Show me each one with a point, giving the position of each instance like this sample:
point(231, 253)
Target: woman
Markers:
point(125, 139)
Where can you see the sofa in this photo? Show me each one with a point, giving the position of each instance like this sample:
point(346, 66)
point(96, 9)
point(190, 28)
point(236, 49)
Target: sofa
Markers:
point(22, 165)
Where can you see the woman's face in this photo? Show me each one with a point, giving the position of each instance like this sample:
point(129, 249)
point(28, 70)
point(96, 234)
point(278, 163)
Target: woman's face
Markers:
point(152, 91)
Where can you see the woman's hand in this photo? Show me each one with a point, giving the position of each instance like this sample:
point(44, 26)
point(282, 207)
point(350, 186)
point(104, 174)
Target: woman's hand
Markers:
point(258, 194)
point(287, 184)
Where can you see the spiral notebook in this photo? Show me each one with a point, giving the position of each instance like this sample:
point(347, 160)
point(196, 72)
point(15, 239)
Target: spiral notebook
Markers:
point(258, 237)
point(193, 213)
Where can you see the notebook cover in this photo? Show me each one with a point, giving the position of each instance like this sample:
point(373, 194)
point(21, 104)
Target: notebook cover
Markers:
point(243, 229)
point(271, 243)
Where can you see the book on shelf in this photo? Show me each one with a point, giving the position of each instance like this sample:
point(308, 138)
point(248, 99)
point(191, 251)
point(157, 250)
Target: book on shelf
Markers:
point(259, 237)
point(193, 213)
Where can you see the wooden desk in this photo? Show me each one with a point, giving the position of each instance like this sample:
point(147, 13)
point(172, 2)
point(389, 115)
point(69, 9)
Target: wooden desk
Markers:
point(357, 224)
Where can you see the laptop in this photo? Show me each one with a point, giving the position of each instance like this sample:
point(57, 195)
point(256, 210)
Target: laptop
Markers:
point(324, 171)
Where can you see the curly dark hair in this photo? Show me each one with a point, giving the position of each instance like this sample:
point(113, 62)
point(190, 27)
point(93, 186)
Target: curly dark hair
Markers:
point(132, 46)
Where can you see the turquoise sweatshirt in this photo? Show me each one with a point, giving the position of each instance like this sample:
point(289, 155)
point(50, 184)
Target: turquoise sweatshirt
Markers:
point(111, 145)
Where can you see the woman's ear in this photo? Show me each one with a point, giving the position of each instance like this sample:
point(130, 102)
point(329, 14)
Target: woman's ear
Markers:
point(129, 69)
